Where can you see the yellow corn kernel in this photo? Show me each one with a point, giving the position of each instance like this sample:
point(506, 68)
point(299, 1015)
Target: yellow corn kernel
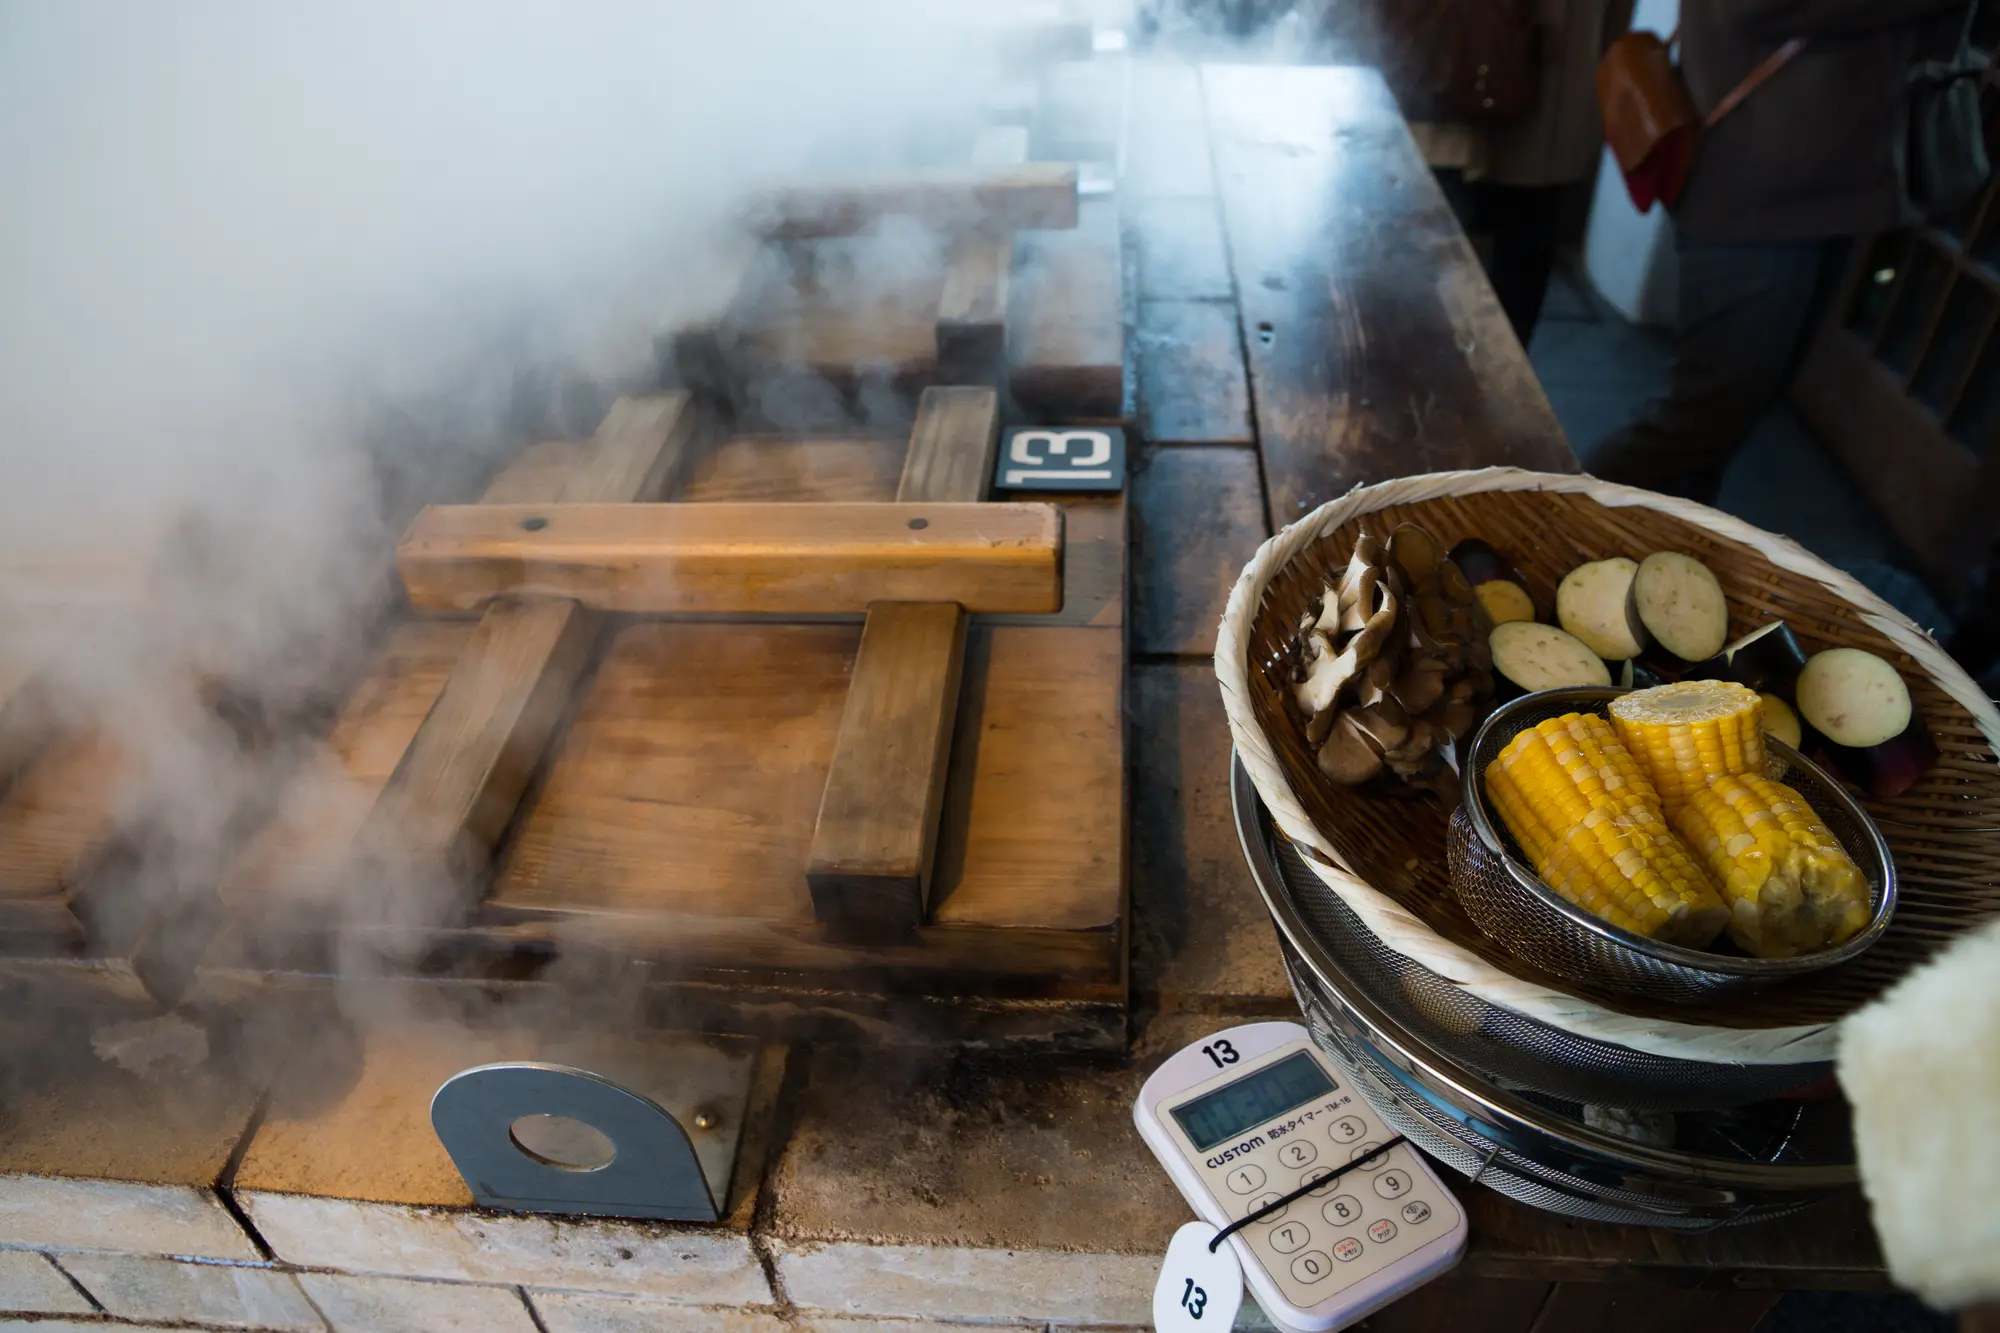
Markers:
point(1685, 733)
point(1792, 888)
point(1589, 822)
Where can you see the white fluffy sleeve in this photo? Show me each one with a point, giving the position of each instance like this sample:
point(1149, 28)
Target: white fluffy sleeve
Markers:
point(1921, 1066)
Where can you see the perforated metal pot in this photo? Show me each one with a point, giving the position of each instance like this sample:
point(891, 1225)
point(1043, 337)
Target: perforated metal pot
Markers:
point(1438, 1069)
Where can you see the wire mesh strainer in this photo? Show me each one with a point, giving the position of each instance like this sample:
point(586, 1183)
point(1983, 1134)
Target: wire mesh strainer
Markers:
point(1466, 1028)
point(1507, 902)
point(1437, 1084)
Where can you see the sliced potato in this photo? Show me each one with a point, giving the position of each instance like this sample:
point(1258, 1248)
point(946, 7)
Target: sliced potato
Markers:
point(1541, 657)
point(1781, 721)
point(1681, 605)
point(1853, 697)
point(1594, 603)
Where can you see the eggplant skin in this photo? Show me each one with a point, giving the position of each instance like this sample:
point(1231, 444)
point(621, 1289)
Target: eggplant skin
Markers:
point(1767, 659)
point(1884, 771)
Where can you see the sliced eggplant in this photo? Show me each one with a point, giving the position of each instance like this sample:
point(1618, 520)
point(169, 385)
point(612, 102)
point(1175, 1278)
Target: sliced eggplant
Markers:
point(1781, 721)
point(1767, 658)
point(1494, 581)
point(1594, 604)
point(1415, 552)
point(1887, 770)
point(1681, 605)
point(1636, 675)
point(1531, 656)
point(1853, 698)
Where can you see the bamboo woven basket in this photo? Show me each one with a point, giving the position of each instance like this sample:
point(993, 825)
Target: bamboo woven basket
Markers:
point(1385, 854)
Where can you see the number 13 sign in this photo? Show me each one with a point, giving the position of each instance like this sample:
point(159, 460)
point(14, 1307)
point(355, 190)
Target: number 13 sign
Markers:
point(1061, 458)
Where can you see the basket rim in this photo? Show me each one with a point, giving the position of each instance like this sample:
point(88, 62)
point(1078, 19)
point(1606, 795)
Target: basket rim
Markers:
point(1395, 925)
point(1722, 965)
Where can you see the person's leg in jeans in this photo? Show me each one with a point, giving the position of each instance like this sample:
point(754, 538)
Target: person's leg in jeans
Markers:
point(1744, 314)
point(1522, 221)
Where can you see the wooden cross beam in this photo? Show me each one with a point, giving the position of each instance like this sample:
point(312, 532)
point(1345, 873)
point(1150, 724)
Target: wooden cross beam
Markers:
point(658, 559)
point(1004, 197)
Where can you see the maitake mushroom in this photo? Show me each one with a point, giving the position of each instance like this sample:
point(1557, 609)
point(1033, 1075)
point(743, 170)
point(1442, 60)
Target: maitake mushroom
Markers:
point(1394, 662)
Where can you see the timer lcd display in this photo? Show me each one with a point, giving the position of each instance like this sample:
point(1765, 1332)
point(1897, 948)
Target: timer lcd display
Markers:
point(1271, 1091)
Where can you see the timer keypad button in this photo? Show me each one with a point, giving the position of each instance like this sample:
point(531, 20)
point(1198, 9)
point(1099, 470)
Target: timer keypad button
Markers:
point(1317, 1173)
point(1245, 1178)
point(1415, 1211)
point(1290, 1237)
point(1362, 1150)
point(1347, 1129)
point(1341, 1210)
point(1260, 1201)
point(1382, 1230)
point(1311, 1266)
point(1347, 1250)
point(1392, 1184)
point(1297, 1154)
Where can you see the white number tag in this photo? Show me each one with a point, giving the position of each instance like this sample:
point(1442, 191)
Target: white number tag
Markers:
point(1199, 1288)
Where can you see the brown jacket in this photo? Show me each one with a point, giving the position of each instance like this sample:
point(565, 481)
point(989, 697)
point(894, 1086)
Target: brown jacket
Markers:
point(1559, 141)
point(1816, 152)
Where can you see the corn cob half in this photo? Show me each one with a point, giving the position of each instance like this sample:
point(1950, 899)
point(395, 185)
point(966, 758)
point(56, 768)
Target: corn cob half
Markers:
point(1684, 734)
point(1590, 823)
point(1791, 886)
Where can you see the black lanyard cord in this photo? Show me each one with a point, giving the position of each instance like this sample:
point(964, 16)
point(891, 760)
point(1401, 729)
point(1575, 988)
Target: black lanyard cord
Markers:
point(1300, 1193)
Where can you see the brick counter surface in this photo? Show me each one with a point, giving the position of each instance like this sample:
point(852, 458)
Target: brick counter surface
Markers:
point(1284, 354)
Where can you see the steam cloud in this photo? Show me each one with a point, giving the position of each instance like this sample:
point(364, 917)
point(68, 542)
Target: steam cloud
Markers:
point(260, 262)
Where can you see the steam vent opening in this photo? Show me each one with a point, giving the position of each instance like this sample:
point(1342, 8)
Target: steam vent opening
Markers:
point(733, 549)
point(563, 1141)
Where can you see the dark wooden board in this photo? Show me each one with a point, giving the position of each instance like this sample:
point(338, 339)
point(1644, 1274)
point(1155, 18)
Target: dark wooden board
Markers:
point(1193, 388)
point(1377, 348)
point(1201, 937)
point(1181, 252)
point(1830, 1246)
point(1006, 197)
point(1066, 319)
point(1198, 516)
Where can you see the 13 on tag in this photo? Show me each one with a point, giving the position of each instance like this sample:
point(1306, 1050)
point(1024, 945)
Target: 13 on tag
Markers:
point(1199, 1288)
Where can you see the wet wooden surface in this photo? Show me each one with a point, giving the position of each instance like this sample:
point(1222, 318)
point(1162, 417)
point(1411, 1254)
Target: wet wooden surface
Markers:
point(1376, 346)
point(1375, 350)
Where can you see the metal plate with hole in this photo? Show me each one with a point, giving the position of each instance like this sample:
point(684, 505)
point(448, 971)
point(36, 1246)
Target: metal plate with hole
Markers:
point(536, 1137)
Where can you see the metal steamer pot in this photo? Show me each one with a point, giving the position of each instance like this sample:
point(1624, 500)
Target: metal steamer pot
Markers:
point(1595, 1159)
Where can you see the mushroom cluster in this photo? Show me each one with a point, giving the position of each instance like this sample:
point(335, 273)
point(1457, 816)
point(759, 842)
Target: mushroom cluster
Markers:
point(1393, 664)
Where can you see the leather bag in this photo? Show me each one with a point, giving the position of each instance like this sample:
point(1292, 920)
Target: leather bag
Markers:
point(1650, 120)
point(1946, 159)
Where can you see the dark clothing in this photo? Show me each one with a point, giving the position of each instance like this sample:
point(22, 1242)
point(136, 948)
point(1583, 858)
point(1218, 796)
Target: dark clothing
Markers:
point(1744, 311)
point(1519, 222)
point(1817, 151)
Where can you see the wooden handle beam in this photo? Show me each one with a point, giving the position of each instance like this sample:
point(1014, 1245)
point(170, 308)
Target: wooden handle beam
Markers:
point(875, 841)
point(772, 558)
point(1039, 195)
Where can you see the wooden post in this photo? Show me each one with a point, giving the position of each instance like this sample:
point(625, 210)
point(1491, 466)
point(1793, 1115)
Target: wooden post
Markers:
point(972, 313)
point(876, 838)
point(458, 782)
